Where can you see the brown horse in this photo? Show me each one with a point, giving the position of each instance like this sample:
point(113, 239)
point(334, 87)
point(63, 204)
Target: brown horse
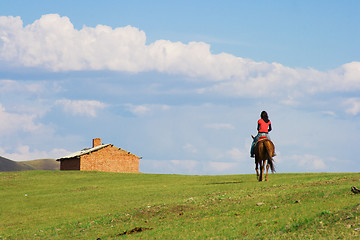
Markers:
point(264, 151)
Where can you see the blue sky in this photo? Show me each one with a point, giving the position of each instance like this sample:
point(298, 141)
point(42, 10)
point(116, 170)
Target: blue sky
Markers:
point(182, 83)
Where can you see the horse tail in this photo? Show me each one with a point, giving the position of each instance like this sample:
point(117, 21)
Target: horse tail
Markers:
point(269, 146)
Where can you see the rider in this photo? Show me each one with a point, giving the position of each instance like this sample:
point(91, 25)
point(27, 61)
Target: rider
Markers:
point(264, 127)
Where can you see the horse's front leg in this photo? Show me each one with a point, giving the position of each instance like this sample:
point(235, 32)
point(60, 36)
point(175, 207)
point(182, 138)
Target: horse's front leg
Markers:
point(267, 170)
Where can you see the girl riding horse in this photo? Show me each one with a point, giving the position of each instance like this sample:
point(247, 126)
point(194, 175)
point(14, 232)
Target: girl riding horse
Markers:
point(264, 127)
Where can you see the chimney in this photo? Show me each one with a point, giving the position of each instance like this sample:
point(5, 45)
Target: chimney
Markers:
point(96, 142)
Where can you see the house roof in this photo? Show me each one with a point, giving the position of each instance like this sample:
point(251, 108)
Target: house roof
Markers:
point(84, 151)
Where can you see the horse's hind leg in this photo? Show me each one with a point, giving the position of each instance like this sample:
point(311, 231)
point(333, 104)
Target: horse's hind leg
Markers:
point(261, 171)
point(257, 169)
point(267, 170)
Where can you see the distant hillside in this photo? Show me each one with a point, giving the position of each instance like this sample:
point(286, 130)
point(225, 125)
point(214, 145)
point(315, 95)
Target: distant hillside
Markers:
point(44, 164)
point(7, 165)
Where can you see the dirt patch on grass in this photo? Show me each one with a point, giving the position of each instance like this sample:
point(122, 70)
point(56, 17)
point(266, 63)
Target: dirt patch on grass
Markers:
point(134, 230)
point(163, 211)
point(333, 181)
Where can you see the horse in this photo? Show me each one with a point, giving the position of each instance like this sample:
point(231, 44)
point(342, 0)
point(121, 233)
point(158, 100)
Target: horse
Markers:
point(264, 151)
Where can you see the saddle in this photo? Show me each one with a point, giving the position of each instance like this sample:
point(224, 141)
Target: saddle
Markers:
point(262, 138)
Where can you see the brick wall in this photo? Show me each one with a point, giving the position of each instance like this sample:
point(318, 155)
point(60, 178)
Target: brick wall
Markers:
point(110, 159)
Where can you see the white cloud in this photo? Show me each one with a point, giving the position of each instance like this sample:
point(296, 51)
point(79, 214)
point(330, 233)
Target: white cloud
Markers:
point(290, 101)
point(288, 84)
point(309, 162)
point(81, 107)
point(14, 122)
point(329, 113)
point(144, 109)
point(195, 60)
point(11, 86)
point(24, 153)
point(351, 73)
point(138, 109)
point(52, 43)
point(352, 106)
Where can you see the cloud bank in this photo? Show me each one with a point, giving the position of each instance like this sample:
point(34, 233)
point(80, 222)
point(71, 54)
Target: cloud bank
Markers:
point(53, 43)
point(13, 122)
point(81, 107)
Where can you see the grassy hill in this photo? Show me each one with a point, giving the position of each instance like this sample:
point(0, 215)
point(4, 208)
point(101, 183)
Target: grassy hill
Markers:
point(44, 164)
point(7, 165)
point(92, 205)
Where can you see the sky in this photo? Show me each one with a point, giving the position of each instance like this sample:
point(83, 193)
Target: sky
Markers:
point(182, 83)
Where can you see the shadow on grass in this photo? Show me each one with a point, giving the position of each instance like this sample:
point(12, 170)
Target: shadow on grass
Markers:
point(221, 183)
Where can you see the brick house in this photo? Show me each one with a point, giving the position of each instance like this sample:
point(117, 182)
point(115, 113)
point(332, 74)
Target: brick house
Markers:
point(101, 157)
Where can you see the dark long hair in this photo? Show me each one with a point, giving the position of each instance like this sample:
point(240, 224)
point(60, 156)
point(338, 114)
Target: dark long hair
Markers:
point(265, 116)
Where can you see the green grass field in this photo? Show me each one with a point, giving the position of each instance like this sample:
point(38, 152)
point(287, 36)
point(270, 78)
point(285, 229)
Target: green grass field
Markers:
point(92, 205)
